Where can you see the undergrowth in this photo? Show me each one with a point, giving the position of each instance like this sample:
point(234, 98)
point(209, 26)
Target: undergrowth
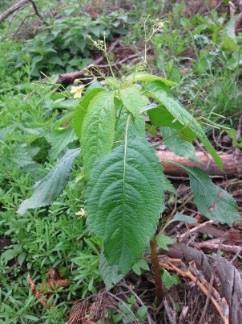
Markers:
point(202, 55)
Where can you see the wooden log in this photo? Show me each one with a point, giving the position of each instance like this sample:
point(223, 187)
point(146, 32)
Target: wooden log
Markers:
point(70, 77)
point(232, 163)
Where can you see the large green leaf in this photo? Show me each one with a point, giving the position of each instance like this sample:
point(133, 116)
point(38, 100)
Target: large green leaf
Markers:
point(159, 116)
point(110, 274)
point(175, 142)
point(136, 126)
point(59, 140)
point(146, 77)
point(182, 116)
point(133, 100)
point(124, 201)
point(98, 129)
point(212, 201)
point(81, 110)
point(50, 187)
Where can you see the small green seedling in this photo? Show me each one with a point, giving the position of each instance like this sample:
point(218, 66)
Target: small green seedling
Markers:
point(125, 183)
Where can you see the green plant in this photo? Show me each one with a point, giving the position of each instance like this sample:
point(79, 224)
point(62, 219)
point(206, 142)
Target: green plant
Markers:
point(125, 184)
point(202, 54)
point(32, 136)
point(67, 43)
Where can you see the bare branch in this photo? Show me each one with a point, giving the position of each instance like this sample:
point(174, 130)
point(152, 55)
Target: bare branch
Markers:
point(17, 6)
point(37, 12)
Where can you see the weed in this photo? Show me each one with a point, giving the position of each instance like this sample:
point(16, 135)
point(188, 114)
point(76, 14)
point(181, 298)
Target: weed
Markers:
point(193, 55)
point(66, 44)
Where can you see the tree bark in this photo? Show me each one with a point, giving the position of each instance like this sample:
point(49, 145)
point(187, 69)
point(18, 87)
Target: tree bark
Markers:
point(232, 163)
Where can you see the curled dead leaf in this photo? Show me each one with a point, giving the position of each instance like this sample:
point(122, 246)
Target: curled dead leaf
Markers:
point(44, 290)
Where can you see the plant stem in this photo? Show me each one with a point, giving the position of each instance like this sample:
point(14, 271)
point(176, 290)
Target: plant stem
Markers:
point(156, 271)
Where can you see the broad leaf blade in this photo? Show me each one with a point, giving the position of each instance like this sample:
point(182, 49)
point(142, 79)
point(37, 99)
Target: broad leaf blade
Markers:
point(136, 126)
point(59, 140)
point(133, 100)
point(110, 274)
point(51, 186)
point(212, 201)
point(81, 110)
point(175, 143)
point(160, 116)
point(98, 129)
point(124, 201)
point(186, 119)
point(146, 77)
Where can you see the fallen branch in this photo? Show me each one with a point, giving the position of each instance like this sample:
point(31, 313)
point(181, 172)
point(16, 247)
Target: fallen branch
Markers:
point(17, 6)
point(36, 10)
point(70, 77)
point(232, 166)
point(203, 285)
point(194, 229)
point(230, 282)
point(216, 246)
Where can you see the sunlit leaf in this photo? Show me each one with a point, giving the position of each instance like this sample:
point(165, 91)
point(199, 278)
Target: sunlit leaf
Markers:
point(81, 109)
point(174, 142)
point(146, 77)
point(98, 129)
point(133, 100)
point(183, 117)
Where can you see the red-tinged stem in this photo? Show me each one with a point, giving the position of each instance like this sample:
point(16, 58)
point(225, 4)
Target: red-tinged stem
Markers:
point(156, 271)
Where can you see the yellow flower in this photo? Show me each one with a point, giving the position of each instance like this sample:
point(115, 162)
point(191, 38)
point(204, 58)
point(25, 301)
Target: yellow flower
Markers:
point(77, 91)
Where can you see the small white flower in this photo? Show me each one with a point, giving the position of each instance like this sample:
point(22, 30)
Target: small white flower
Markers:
point(81, 213)
point(77, 91)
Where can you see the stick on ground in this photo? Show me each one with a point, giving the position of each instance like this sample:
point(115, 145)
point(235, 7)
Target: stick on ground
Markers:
point(232, 166)
point(11, 10)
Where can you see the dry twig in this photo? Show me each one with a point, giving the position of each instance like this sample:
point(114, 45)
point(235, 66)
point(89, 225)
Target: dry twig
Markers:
point(215, 246)
point(70, 77)
point(36, 10)
point(201, 284)
point(193, 230)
